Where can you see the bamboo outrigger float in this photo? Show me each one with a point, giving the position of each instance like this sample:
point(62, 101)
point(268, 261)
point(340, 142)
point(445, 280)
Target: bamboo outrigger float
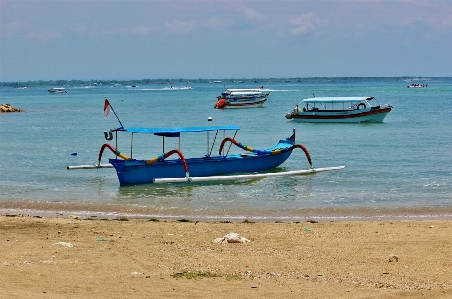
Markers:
point(247, 176)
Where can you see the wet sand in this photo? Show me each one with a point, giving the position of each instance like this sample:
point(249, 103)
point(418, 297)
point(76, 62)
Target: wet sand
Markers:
point(51, 257)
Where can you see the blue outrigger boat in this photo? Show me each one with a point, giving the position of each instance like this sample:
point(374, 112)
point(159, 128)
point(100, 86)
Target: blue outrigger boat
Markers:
point(173, 163)
point(173, 166)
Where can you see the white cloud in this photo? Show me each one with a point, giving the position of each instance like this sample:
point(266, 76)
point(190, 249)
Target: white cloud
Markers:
point(251, 14)
point(303, 23)
point(140, 30)
point(212, 22)
point(44, 36)
point(177, 26)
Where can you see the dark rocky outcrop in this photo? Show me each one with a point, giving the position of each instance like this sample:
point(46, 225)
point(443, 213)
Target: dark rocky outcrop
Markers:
point(8, 108)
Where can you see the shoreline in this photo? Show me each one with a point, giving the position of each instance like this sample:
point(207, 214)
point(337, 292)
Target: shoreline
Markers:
point(53, 257)
point(102, 211)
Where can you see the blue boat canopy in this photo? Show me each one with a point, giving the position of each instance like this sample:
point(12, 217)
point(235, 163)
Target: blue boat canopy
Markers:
point(175, 132)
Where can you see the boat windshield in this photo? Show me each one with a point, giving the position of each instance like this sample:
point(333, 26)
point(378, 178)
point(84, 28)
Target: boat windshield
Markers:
point(335, 103)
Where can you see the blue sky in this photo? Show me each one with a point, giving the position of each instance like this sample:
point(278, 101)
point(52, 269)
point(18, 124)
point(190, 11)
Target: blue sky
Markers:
point(115, 39)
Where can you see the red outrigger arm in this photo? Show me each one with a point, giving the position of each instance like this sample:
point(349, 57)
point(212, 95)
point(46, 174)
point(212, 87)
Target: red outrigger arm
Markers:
point(305, 150)
point(264, 152)
point(150, 161)
point(164, 156)
point(116, 152)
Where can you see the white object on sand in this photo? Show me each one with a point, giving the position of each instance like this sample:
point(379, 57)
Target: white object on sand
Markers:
point(231, 238)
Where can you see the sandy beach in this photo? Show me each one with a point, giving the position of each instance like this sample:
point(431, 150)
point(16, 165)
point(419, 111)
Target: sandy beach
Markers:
point(78, 258)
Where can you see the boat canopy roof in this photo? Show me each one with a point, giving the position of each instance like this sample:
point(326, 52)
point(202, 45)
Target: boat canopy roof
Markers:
point(175, 132)
point(336, 99)
point(240, 93)
point(244, 89)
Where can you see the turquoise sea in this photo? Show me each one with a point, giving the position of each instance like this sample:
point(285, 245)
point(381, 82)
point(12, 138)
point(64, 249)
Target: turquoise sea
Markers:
point(401, 168)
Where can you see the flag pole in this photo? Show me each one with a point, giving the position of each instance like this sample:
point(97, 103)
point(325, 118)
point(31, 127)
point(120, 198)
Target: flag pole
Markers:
point(114, 112)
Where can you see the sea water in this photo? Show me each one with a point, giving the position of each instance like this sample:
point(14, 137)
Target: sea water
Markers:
point(401, 167)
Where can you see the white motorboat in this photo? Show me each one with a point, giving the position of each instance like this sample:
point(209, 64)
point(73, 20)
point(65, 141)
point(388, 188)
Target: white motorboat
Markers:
point(242, 98)
point(57, 90)
point(339, 109)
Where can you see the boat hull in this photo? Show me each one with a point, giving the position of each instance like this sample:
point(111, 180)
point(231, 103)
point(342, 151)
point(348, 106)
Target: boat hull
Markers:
point(56, 91)
point(417, 86)
point(352, 116)
point(245, 104)
point(132, 172)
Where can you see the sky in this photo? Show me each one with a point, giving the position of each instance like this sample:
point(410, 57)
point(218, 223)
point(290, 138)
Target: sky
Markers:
point(153, 39)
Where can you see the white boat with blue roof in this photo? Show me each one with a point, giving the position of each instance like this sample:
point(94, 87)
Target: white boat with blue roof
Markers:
point(339, 109)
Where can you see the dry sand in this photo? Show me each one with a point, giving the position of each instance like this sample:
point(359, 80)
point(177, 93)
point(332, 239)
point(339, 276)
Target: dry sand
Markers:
point(76, 258)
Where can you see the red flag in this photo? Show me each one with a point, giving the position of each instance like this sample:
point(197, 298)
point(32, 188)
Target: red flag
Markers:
point(106, 108)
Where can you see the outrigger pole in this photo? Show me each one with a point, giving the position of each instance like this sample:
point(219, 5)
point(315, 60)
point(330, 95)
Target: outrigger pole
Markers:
point(89, 166)
point(245, 176)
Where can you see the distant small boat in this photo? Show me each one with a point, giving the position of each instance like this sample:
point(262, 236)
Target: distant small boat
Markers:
point(178, 88)
point(57, 90)
point(339, 109)
point(241, 98)
point(416, 85)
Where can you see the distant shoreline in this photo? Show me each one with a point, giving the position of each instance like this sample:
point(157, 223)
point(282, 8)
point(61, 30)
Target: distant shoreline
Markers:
point(103, 82)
